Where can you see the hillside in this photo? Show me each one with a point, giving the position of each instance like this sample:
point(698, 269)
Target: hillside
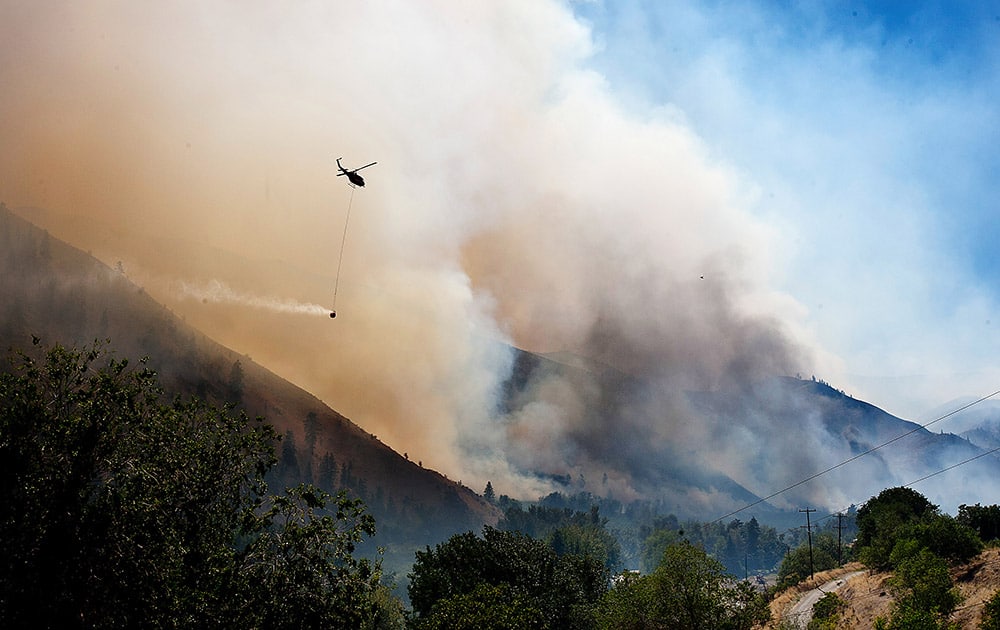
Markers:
point(868, 596)
point(599, 430)
point(62, 295)
point(754, 440)
point(829, 427)
point(661, 472)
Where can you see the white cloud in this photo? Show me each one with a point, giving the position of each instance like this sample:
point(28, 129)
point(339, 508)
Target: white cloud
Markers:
point(870, 152)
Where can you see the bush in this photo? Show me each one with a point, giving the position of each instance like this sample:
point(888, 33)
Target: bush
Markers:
point(120, 509)
point(689, 589)
point(985, 520)
point(881, 517)
point(826, 612)
point(924, 577)
point(795, 567)
point(944, 536)
point(991, 613)
point(562, 588)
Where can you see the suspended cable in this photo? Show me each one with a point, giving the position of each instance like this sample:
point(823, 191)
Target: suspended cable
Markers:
point(925, 477)
point(860, 455)
point(943, 470)
point(340, 260)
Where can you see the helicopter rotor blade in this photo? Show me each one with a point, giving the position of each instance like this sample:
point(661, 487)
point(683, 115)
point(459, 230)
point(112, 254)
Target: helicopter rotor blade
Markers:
point(365, 166)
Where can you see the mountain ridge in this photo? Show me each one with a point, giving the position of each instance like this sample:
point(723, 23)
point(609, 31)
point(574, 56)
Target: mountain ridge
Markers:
point(781, 429)
point(64, 295)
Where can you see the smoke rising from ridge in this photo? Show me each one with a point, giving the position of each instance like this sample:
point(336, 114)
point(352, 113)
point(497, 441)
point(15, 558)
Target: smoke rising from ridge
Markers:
point(514, 202)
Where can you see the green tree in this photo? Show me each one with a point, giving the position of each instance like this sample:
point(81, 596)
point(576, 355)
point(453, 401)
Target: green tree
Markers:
point(690, 587)
point(985, 520)
point(746, 607)
point(826, 612)
point(944, 536)
point(991, 613)
point(798, 563)
point(121, 510)
point(881, 516)
point(906, 616)
point(688, 590)
point(925, 595)
point(563, 588)
point(287, 469)
point(587, 540)
point(921, 579)
point(389, 611)
point(629, 605)
point(655, 545)
point(487, 607)
point(299, 571)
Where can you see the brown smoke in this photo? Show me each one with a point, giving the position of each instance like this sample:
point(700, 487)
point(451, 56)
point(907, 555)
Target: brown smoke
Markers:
point(514, 201)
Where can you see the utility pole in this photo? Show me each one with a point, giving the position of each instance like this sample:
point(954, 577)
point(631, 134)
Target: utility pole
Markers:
point(840, 548)
point(809, 535)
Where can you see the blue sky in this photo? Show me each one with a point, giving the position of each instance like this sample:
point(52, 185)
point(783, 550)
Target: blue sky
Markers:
point(873, 132)
point(928, 67)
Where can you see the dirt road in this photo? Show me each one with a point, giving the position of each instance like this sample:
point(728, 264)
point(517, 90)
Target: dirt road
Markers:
point(802, 611)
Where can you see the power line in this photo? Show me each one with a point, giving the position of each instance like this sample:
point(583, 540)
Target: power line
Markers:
point(984, 454)
point(860, 455)
point(925, 477)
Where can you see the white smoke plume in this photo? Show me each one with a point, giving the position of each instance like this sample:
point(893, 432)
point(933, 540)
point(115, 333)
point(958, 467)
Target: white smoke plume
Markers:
point(516, 202)
point(218, 292)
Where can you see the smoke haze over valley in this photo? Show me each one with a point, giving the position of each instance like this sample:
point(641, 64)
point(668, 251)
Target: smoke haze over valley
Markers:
point(526, 196)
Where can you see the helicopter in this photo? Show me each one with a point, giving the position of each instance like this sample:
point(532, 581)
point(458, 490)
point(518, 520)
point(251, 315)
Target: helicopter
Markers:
point(352, 175)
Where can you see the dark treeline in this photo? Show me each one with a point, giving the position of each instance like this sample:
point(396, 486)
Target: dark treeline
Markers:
point(643, 531)
point(403, 519)
point(123, 507)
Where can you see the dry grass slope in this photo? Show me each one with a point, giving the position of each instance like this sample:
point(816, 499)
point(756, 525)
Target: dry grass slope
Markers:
point(868, 595)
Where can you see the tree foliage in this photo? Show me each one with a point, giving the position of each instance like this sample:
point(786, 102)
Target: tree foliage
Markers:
point(742, 547)
point(298, 569)
point(902, 514)
point(563, 588)
point(487, 607)
point(991, 613)
point(985, 520)
point(689, 589)
point(921, 579)
point(592, 541)
point(630, 604)
point(798, 566)
point(567, 532)
point(944, 536)
point(907, 616)
point(120, 510)
point(904, 532)
point(880, 518)
point(826, 612)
